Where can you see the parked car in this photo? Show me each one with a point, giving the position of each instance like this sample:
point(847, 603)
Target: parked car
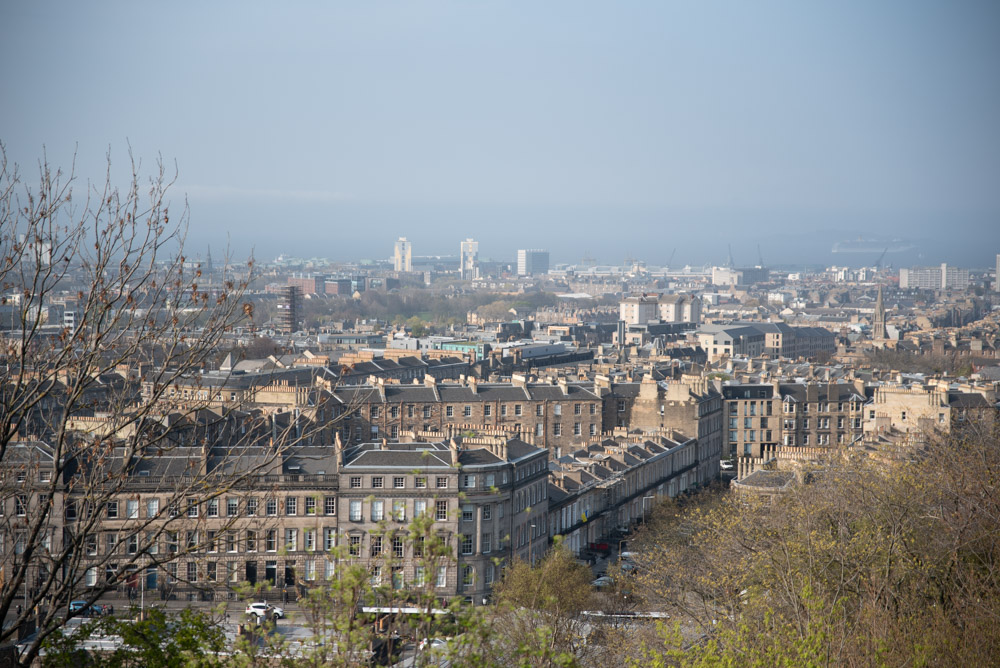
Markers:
point(627, 556)
point(81, 607)
point(262, 609)
point(603, 581)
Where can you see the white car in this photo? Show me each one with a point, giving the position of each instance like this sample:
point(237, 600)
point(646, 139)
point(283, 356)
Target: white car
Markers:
point(262, 609)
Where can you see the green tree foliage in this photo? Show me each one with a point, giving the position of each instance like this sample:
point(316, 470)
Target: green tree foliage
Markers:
point(536, 620)
point(188, 640)
point(892, 563)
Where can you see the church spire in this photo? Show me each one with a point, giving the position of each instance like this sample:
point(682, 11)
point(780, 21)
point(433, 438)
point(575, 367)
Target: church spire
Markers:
point(879, 333)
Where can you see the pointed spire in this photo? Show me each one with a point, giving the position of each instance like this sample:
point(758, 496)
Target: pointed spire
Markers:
point(878, 326)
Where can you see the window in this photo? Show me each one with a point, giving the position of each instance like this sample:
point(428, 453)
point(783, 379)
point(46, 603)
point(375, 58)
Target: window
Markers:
point(90, 577)
point(593, 430)
point(441, 511)
point(467, 544)
point(418, 547)
point(490, 480)
point(291, 505)
point(132, 509)
point(577, 409)
point(377, 481)
point(468, 575)
point(355, 510)
point(376, 576)
point(539, 410)
point(540, 429)
point(231, 542)
point(397, 547)
point(354, 546)
point(373, 412)
point(375, 546)
point(132, 544)
point(309, 540)
point(271, 507)
point(449, 411)
point(212, 508)
point(152, 507)
point(329, 538)
point(420, 482)
point(251, 507)
point(427, 412)
point(488, 574)
point(330, 505)
point(409, 410)
point(557, 410)
point(442, 482)
point(192, 540)
point(557, 429)
point(442, 577)
point(577, 429)
point(251, 538)
point(467, 411)
point(378, 510)
point(172, 542)
point(232, 507)
point(355, 482)
point(468, 512)
point(271, 540)
point(503, 410)
point(419, 507)
point(487, 410)
point(488, 511)
point(192, 508)
point(291, 540)
point(517, 409)
point(329, 570)
point(394, 412)
point(192, 571)
point(310, 569)
point(21, 503)
point(398, 482)
point(419, 576)
point(469, 481)
point(487, 543)
point(399, 510)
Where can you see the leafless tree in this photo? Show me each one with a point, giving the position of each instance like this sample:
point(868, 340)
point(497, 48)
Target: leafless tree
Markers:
point(86, 400)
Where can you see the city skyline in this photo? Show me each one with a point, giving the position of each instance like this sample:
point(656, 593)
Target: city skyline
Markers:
point(590, 130)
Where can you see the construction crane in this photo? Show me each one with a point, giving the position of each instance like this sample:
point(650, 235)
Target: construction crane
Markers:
point(878, 262)
point(672, 254)
point(731, 263)
point(760, 256)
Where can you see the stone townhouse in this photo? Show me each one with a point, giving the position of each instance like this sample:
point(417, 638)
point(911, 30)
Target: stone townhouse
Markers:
point(813, 414)
point(613, 483)
point(558, 416)
point(691, 405)
point(487, 497)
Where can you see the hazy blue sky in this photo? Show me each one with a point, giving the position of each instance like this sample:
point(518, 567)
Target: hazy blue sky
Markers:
point(614, 128)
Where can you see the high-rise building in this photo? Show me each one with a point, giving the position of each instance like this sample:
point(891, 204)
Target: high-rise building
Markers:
point(996, 277)
point(934, 278)
point(403, 257)
point(468, 259)
point(532, 262)
point(288, 309)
